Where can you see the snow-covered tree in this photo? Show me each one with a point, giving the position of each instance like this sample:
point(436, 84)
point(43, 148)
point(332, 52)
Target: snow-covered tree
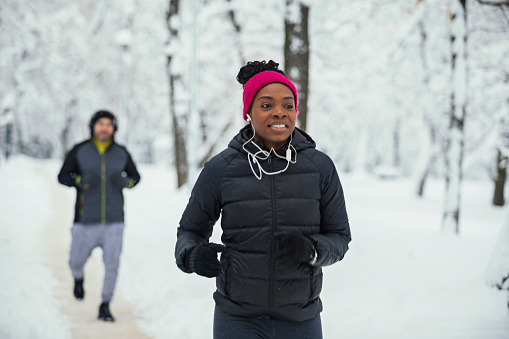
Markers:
point(178, 89)
point(297, 53)
point(62, 62)
point(496, 100)
point(455, 139)
point(237, 30)
point(373, 87)
point(429, 148)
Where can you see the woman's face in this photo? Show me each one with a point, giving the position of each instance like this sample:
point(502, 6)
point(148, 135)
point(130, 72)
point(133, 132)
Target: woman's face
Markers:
point(273, 115)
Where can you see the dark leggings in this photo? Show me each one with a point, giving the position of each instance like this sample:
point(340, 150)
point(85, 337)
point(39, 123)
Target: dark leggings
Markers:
point(227, 326)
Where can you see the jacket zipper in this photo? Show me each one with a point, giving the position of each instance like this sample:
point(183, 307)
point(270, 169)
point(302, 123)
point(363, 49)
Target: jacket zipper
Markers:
point(103, 189)
point(272, 242)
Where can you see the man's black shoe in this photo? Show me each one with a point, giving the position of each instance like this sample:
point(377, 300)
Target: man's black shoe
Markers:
point(104, 312)
point(79, 293)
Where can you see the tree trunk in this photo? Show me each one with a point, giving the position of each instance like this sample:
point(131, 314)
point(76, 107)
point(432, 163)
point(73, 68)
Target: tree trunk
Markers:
point(64, 136)
point(396, 156)
point(238, 29)
point(497, 271)
point(498, 195)
point(297, 53)
point(455, 142)
point(424, 171)
point(428, 151)
point(176, 86)
point(70, 109)
point(429, 161)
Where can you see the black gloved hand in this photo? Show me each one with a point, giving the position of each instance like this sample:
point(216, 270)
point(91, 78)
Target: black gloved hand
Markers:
point(202, 260)
point(120, 180)
point(294, 246)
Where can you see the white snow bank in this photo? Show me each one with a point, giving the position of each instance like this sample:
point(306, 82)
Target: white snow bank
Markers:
point(27, 307)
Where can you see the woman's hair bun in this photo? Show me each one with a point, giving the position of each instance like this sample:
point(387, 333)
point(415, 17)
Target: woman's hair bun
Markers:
point(254, 67)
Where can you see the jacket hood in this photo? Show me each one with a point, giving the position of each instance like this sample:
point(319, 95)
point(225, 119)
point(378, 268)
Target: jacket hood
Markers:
point(300, 140)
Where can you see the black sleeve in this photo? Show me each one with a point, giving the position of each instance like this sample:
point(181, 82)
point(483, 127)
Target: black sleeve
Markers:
point(202, 212)
point(131, 170)
point(70, 169)
point(332, 242)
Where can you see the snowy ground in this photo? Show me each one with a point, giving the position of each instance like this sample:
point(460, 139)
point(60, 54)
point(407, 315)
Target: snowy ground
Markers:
point(402, 278)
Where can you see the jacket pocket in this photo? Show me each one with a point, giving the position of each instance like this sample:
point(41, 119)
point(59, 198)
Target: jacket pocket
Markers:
point(316, 283)
point(223, 280)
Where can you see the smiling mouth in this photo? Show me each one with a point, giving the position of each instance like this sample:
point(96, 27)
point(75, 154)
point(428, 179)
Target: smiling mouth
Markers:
point(278, 126)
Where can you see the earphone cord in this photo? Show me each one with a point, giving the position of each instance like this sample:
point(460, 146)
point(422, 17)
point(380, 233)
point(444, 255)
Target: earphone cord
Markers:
point(253, 158)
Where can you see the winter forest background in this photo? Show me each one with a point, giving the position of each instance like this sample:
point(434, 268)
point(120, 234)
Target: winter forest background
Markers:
point(413, 89)
point(378, 86)
point(379, 76)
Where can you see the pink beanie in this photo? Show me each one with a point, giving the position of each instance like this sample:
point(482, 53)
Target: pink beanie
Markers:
point(261, 79)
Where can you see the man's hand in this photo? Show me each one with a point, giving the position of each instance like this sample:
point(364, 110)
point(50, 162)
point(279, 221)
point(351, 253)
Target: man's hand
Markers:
point(120, 180)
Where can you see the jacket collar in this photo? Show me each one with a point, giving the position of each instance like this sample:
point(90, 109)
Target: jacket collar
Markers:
point(300, 140)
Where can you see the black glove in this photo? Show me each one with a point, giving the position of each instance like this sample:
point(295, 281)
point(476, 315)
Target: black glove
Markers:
point(294, 246)
point(202, 260)
point(120, 180)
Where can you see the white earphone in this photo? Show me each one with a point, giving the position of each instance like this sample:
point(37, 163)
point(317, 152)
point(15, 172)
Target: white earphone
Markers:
point(264, 155)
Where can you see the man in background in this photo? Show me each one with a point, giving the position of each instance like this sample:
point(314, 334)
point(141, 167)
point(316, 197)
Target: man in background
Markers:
point(99, 169)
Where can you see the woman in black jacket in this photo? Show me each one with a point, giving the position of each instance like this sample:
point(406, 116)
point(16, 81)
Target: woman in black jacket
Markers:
point(283, 218)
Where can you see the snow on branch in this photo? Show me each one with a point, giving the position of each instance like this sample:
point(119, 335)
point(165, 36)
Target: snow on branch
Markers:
point(494, 2)
point(407, 30)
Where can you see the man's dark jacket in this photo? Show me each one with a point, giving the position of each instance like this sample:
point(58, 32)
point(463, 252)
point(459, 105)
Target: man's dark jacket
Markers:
point(105, 176)
point(254, 281)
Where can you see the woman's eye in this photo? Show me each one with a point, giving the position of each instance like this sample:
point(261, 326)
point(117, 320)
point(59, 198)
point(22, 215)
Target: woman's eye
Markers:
point(289, 106)
point(265, 106)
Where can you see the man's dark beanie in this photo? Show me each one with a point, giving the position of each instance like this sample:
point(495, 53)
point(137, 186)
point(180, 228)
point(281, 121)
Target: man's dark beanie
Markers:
point(102, 114)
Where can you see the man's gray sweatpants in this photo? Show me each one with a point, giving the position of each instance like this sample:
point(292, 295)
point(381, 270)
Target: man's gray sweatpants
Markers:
point(87, 237)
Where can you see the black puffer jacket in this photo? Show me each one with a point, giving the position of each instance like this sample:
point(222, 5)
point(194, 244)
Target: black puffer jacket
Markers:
point(307, 197)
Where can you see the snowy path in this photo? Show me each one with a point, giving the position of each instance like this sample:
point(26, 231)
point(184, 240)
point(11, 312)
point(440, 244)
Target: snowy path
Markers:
point(402, 277)
point(57, 239)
